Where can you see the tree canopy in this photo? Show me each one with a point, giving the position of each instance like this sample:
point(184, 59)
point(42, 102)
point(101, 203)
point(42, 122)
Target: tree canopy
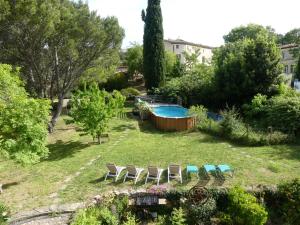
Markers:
point(92, 109)
point(55, 42)
point(251, 31)
point(246, 67)
point(134, 60)
point(23, 120)
point(154, 53)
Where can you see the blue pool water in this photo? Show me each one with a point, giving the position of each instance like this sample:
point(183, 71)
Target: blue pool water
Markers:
point(171, 111)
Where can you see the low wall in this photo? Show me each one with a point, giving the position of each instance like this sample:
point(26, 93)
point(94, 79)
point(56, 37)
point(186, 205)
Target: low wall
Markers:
point(173, 124)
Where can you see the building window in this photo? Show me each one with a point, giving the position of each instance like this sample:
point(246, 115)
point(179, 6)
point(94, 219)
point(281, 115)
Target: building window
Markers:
point(177, 46)
point(292, 68)
point(286, 69)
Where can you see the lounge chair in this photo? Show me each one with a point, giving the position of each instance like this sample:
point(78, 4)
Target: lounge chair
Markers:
point(208, 168)
point(133, 173)
point(154, 173)
point(114, 171)
point(174, 171)
point(225, 169)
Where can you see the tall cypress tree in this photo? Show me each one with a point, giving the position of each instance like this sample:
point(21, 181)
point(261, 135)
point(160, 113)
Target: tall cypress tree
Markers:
point(154, 53)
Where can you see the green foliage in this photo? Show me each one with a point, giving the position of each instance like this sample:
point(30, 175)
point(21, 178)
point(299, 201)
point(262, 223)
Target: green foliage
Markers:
point(178, 217)
point(162, 220)
point(116, 81)
point(281, 112)
point(153, 53)
point(121, 205)
point(130, 92)
point(95, 216)
point(245, 68)
point(290, 202)
point(191, 60)
point(178, 70)
point(231, 121)
point(244, 209)
point(251, 31)
point(56, 42)
point(92, 109)
point(196, 84)
point(23, 120)
point(4, 214)
point(130, 220)
point(200, 112)
point(170, 60)
point(134, 60)
point(201, 213)
point(297, 73)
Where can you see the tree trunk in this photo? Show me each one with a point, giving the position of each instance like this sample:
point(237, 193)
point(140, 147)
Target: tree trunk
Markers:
point(56, 114)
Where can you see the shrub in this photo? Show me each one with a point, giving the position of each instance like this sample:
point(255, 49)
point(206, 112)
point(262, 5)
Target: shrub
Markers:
point(95, 216)
point(290, 202)
point(4, 214)
point(130, 92)
point(178, 217)
point(130, 220)
point(200, 112)
point(202, 213)
point(231, 121)
point(243, 209)
point(116, 81)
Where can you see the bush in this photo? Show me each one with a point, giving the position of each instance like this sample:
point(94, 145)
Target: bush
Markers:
point(200, 112)
point(130, 92)
point(178, 217)
point(130, 220)
point(231, 122)
point(4, 214)
point(290, 202)
point(202, 213)
point(117, 81)
point(243, 209)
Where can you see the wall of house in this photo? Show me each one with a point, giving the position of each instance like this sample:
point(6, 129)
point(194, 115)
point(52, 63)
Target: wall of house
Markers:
point(288, 61)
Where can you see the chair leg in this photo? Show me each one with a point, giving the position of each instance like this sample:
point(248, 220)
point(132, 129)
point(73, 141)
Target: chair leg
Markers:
point(106, 177)
point(168, 176)
point(125, 177)
point(180, 177)
point(117, 177)
point(147, 178)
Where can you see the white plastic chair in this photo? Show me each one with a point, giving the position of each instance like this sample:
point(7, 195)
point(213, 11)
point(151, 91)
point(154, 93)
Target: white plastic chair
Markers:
point(174, 171)
point(114, 171)
point(133, 173)
point(154, 173)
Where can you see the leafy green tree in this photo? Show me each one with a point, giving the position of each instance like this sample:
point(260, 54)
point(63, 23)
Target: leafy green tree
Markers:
point(292, 37)
point(246, 67)
point(191, 60)
point(251, 31)
point(55, 42)
point(170, 60)
point(134, 60)
point(23, 120)
point(92, 109)
point(154, 53)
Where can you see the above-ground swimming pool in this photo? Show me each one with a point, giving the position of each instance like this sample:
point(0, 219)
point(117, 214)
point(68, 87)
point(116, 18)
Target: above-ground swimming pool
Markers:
point(172, 118)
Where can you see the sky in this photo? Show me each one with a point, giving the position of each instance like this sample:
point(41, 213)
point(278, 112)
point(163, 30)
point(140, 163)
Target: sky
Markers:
point(199, 21)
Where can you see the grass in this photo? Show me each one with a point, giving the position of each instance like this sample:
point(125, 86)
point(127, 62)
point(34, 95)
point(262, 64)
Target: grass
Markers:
point(29, 187)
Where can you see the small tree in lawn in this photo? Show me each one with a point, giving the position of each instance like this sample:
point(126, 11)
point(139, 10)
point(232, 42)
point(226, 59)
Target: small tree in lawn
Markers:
point(92, 109)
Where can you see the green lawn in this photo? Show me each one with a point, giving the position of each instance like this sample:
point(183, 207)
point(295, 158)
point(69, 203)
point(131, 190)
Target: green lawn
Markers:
point(142, 145)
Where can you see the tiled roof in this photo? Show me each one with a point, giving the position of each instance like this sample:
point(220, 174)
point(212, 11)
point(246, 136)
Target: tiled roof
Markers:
point(182, 42)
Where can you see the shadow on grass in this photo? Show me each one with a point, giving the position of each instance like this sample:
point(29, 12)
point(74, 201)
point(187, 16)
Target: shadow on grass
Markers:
point(291, 152)
point(8, 185)
point(123, 127)
point(61, 150)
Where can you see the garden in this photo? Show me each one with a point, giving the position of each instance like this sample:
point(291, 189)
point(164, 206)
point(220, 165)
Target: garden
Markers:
point(66, 115)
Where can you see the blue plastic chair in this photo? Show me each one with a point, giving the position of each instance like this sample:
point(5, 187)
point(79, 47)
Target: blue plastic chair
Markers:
point(209, 169)
point(225, 169)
